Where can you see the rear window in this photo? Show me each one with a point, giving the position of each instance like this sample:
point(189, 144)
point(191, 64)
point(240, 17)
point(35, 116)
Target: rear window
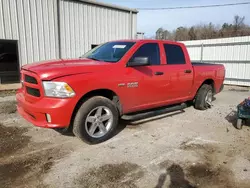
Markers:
point(174, 54)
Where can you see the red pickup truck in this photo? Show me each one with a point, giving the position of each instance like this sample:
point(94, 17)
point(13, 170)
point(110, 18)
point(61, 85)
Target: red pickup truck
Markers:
point(90, 94)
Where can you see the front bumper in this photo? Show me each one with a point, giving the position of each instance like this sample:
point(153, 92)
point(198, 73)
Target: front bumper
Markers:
point(60, 111)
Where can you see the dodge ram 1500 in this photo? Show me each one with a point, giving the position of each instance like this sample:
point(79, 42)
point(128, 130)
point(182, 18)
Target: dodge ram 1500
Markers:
point(90, 94)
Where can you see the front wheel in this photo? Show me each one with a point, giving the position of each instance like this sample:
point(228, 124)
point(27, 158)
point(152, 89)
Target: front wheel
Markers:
point(96, 120)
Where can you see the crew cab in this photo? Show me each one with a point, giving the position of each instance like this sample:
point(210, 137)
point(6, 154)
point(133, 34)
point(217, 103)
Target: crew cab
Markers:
point(89, 94)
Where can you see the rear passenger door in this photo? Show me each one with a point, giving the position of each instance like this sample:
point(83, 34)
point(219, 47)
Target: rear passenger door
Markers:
point(179, 72)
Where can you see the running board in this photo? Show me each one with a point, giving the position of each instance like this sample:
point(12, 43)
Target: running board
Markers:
point(154, 112)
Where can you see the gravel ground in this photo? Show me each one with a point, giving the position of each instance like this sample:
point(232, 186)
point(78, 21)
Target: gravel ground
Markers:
point(187, 149)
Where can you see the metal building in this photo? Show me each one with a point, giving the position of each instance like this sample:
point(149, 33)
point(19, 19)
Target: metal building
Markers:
point(36, 30)
point(233, 53)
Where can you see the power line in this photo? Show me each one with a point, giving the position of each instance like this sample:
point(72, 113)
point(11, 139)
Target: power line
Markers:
point(199, 6)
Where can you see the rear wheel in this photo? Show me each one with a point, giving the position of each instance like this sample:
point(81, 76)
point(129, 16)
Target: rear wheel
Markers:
point(204, 97)
point(96, 120)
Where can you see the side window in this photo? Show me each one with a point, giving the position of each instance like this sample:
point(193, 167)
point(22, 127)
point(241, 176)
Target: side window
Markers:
point(150, 50)
point(174, 54)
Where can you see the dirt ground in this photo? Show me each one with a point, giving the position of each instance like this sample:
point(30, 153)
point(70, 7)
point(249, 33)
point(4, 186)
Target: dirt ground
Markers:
point(187, 149)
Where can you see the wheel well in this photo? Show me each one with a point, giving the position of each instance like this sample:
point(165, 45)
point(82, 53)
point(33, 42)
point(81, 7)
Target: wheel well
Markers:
point(99, 92)
point(209, 82)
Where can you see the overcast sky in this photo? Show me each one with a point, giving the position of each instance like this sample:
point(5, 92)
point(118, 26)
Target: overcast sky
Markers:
point(150, 21)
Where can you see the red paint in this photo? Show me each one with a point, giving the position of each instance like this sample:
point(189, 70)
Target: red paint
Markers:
point(85, 75)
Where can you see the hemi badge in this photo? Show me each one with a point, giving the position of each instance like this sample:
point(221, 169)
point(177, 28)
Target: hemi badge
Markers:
point(121, 85)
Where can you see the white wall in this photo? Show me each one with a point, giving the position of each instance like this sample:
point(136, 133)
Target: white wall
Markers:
point(33, 23)
point(234, 53)
point(84, 24)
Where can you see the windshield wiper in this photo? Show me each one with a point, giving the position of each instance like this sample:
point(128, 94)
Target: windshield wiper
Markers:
point(93, 58)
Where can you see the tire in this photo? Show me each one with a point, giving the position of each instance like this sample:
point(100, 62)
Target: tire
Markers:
point(239, 123)
point(90, 125)
point(200, 99)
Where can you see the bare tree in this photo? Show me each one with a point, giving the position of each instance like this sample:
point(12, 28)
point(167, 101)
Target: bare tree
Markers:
point(192, 34)
point(238, 25)
point(207, 31)
point(159, 34)
point(181, 34)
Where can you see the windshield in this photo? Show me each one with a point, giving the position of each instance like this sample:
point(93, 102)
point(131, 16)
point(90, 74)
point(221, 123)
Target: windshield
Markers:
point(109, 52)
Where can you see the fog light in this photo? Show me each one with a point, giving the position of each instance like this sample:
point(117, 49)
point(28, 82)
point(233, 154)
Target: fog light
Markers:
point(48, 117)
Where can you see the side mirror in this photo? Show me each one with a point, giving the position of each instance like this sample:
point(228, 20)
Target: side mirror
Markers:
point(138, 61)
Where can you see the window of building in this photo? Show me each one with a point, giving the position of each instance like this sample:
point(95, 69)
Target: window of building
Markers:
point(9, 65)
point(93, 45)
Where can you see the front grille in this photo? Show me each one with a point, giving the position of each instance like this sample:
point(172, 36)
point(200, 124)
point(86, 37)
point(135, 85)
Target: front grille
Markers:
point(33, 91)
point(30, 79)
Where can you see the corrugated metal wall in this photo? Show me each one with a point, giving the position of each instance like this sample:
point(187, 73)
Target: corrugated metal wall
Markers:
point(85, 24)
point(234, 53)
point(34, 24)
point(134, 26)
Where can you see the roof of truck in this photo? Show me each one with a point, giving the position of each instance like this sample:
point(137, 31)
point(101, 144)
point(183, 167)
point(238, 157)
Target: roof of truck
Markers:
point(147, 40)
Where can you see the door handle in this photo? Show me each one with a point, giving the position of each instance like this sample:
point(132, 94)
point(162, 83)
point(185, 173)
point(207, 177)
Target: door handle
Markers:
point(159, 73)
point(188, 71)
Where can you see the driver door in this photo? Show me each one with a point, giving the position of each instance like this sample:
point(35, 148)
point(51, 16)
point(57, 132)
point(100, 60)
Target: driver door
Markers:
point(145, 84)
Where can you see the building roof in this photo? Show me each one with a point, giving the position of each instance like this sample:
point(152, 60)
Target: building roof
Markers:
point(93, 2)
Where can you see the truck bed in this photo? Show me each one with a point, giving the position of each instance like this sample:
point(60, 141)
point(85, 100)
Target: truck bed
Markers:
point(195, 63)
point(215, 72)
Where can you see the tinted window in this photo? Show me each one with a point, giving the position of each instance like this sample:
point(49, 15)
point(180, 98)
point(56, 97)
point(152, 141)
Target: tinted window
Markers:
point(174, 54)
point(150, 50)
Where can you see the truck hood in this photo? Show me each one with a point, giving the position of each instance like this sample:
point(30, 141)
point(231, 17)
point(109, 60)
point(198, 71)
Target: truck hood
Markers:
point(48, 70)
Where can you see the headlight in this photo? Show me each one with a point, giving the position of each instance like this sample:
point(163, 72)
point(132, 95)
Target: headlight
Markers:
point(57, 89)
